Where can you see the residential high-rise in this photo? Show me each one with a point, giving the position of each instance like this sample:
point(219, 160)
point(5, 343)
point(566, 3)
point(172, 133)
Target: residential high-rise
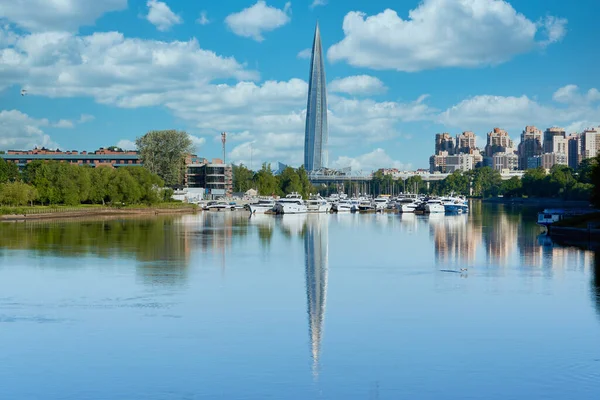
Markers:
point(549, 135)
point(530, 146)
point(505, 161)
point(465, 142)
point(498, 141)
point(444, 142)
point(315, 139)
point(574, 150)
point(590, 139)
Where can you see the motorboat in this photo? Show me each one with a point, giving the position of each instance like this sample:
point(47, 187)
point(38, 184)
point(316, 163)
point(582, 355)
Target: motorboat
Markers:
point(433, 206)
point(407, 205)
point(290, 204)
point(380, 203)
point(220, 206)
point(343, 206)
point(317, 204)
point(455, 205)
point(366, 205)
point(262, 206)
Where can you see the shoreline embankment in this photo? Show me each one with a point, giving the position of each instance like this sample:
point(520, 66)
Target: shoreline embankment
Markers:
point(537, 202)
point(96, 212)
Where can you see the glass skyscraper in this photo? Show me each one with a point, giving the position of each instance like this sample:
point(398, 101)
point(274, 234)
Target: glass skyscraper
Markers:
point(315, 139)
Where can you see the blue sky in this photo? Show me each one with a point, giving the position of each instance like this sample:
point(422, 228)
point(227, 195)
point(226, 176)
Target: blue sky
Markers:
point(103, 72)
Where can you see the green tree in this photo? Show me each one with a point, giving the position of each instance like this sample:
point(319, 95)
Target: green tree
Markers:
point(164, 152)
point(595, 180)
point(414, 184)
point(267, 183)
point(17, 194)
point(289, 181)
point(485, 181)
point(150, 185)
point(512, 187)
point(9, 171)
point(586, 168)
point(100, 178)
point(123, 188)
point(533, 181)
point(457, 183)
point(243, 178)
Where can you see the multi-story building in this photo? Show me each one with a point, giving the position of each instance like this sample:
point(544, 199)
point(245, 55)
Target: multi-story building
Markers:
point(534, 162)
point(459, 162)
point(215, 177)
point(505, 161)
point(465, 142)
point(574, 150)
point(437, 162)
point(530, 146)
point(498, 141)
point(590, 139)
point(549, 135)
point(112, 157)
point(444, 142)
point(549, 160)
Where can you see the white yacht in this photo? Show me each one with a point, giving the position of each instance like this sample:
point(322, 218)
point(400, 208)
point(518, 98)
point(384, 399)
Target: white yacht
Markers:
point(434, 206)
point(366, 205)
point(290, 204)
point(343, 206)
point(407, 205)
point(262, 206)
point(220, 206)
point(317, 204)
point(380, 203)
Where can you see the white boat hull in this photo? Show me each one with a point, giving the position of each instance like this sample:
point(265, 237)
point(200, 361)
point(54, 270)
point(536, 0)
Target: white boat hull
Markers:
point(407, 208)
point(259, 209)
point(318, 208)
point(290, 208)
point(434, 208)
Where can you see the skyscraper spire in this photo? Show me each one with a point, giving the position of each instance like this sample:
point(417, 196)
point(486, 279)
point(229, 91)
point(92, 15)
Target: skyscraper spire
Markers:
point(315, 139)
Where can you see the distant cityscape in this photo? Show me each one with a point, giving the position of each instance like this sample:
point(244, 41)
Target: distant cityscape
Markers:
point(536, 149)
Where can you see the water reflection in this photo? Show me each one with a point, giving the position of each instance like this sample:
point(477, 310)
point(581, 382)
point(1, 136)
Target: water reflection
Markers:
point(316, 259)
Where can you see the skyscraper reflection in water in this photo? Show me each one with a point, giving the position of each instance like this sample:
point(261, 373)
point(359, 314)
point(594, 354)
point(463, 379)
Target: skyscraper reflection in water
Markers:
point(316, 257)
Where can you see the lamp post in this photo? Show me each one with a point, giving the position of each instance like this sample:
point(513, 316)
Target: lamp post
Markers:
point(223, 140)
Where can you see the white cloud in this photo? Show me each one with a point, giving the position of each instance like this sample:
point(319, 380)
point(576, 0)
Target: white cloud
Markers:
point(442, 33)
point(18, 131)
point(126, 144)
point(203, 19)
point(371, 161)
point(43, 15)
point(86, 118)
point(358, 84)
point(197, 141)
point(317, 3)
point(109, 67)
point(161, 16)
point(510, 112)
point(253, 21)
point(64, 123)
point(570, 94)
point(305, 54)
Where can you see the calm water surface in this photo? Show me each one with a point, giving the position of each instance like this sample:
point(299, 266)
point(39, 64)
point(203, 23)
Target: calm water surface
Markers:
point(219, 305)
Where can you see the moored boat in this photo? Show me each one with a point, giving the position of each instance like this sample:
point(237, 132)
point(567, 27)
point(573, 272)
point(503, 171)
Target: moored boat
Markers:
point(290, 204)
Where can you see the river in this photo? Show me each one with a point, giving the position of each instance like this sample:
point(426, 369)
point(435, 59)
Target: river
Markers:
point(223, 306)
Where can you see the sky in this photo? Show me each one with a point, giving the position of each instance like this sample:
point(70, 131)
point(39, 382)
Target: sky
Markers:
point(104, 72)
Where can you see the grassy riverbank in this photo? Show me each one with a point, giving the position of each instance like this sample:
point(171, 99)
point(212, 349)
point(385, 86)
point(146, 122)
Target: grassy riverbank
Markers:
point(580, 221)
point(39, 212)
point(538, 201)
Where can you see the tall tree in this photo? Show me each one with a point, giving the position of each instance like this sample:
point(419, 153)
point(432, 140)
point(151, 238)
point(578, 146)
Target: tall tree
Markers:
point(9, 172)
point(595, 180)
point(163, 153)
point(267, 183)
point(243, 178)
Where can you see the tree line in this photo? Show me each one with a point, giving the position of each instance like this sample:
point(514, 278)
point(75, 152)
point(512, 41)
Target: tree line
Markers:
point(59, 183)
point(268, 184)
point(560, 182)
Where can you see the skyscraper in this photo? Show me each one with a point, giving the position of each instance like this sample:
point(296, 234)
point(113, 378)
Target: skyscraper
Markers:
point(315, 138)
